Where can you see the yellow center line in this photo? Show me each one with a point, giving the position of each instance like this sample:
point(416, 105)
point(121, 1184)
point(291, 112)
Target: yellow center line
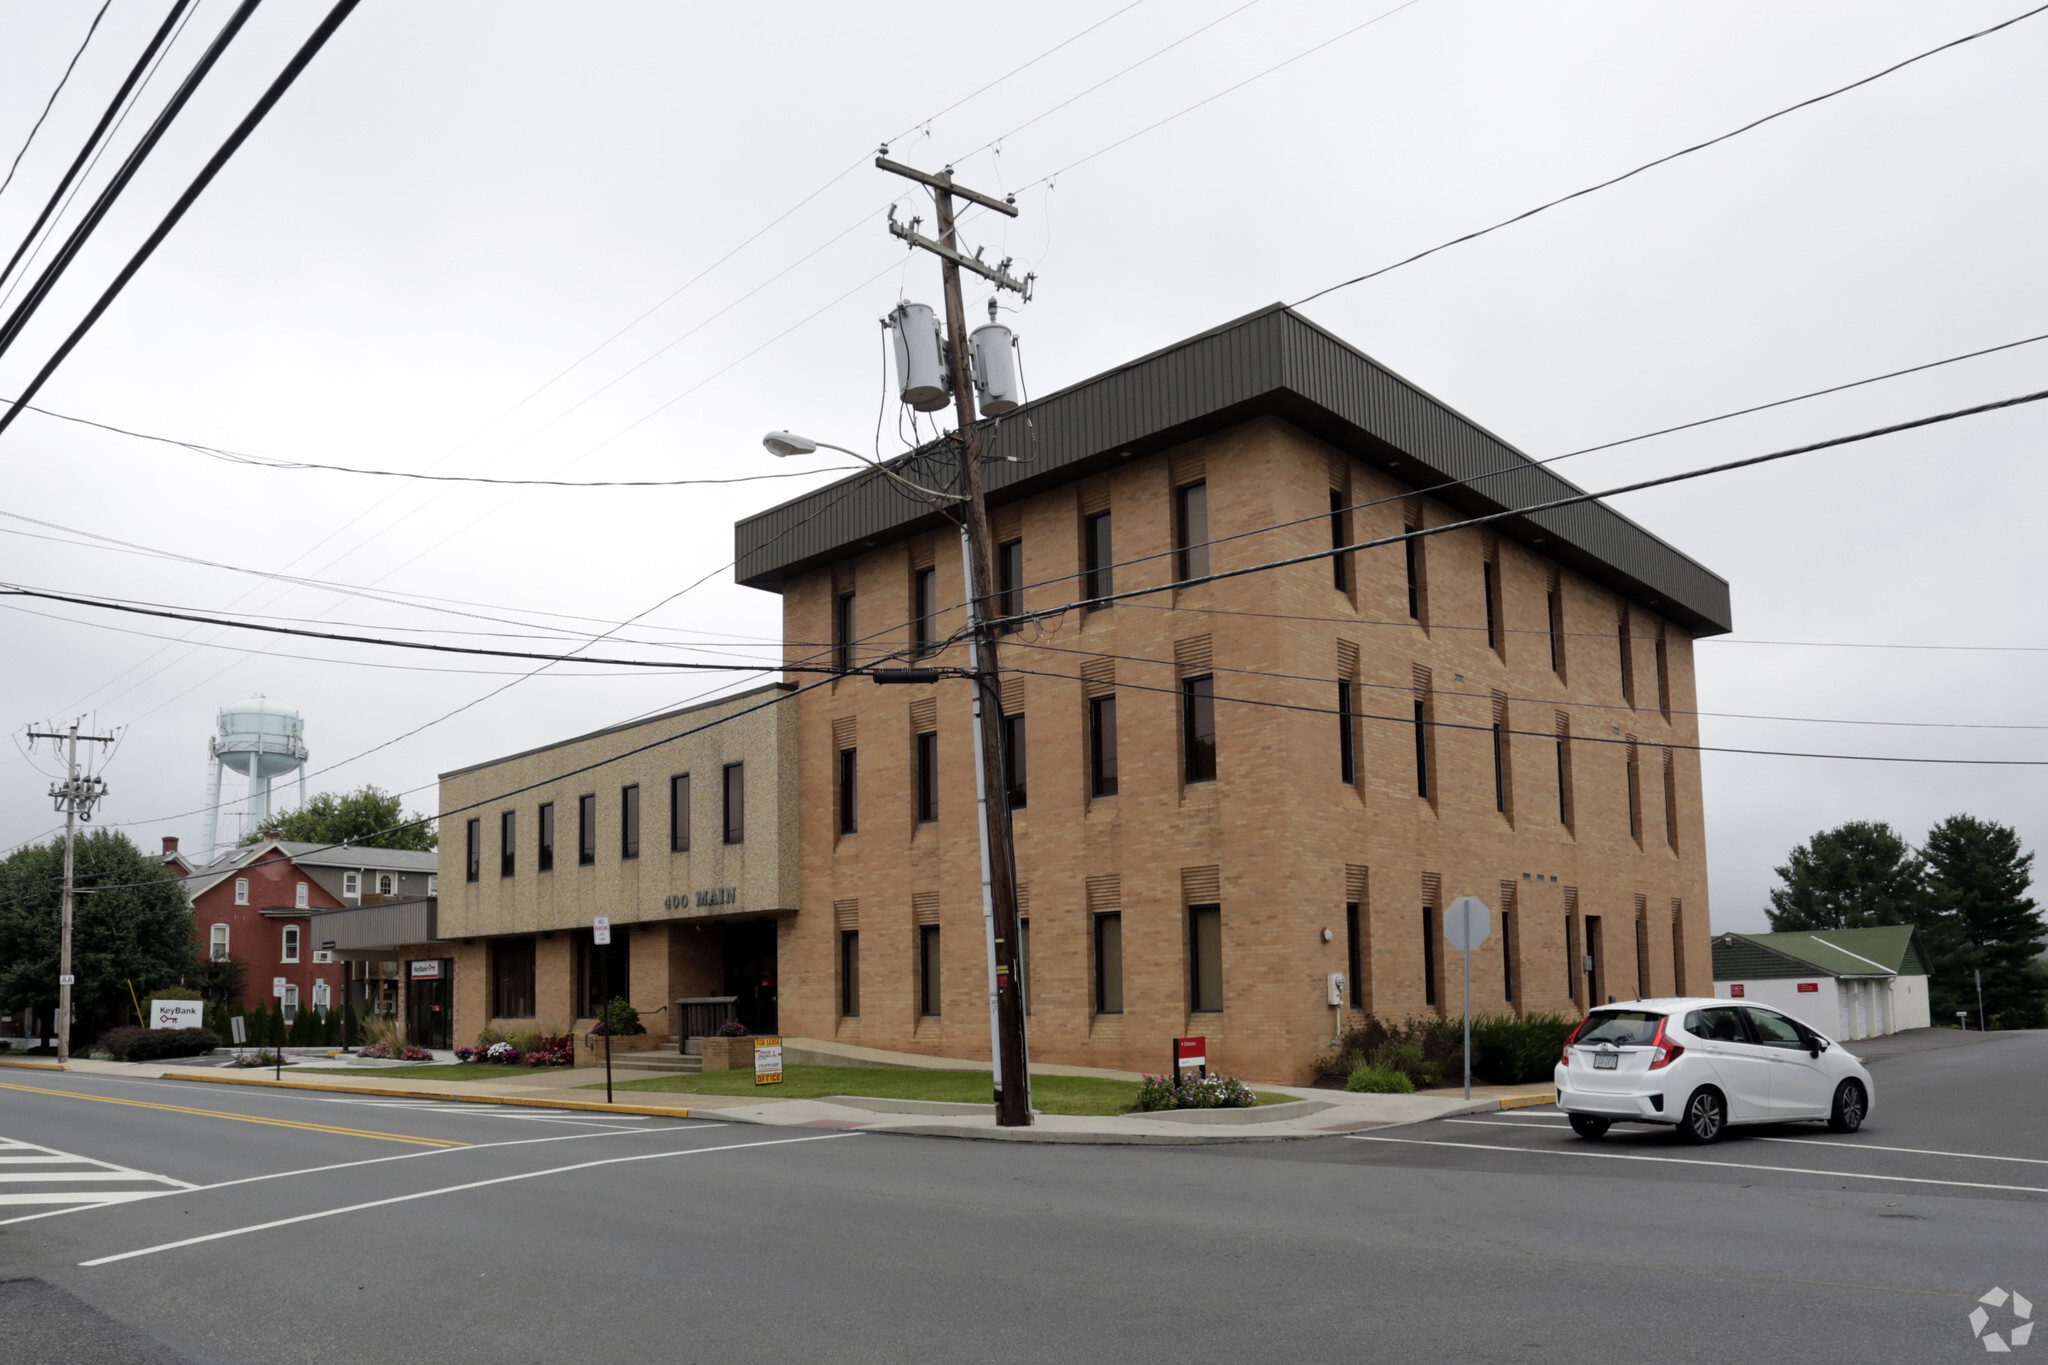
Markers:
point(239, 1118)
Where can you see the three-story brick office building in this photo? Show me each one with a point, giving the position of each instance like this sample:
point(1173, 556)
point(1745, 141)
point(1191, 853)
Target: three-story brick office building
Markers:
point(1225, 792)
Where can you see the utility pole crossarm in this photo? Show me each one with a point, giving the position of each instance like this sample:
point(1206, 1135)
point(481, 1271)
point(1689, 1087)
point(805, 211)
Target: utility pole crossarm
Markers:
point(943, 182)
point(1001, 278)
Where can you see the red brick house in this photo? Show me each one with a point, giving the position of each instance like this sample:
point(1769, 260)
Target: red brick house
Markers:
point(255, 904)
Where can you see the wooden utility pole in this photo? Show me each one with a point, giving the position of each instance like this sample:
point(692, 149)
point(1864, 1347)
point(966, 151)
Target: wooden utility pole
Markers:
point(76, 797)
point(1012, 1070)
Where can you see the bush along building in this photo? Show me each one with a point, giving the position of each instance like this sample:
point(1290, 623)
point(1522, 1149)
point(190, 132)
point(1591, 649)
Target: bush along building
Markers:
point(1227, 792)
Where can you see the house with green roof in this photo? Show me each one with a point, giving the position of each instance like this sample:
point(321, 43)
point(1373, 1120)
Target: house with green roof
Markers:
point(1847, 983)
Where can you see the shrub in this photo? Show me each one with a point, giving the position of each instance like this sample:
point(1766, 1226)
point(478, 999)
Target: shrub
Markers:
point(1368, 1080)
point(1192, 1091)
point(1512, 1051)
point(731, 1028)
point(554, 1049)
point(488, 1036)
point(1506, 1049)
point(262, 1056)
point(620, 1019)
point(149, 1044)
point(409, 1053)
point(1406, 1059)
point(376, 1051)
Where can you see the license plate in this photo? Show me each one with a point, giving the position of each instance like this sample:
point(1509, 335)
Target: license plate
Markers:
point(1606, 1061)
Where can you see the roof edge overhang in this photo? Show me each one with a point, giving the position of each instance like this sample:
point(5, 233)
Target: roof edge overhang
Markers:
point(1273, 362)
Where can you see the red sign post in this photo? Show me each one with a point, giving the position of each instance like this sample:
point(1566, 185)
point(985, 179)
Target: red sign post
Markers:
point(1191, 1052)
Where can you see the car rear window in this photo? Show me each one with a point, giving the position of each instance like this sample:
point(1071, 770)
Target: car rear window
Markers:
point(1621, 1027)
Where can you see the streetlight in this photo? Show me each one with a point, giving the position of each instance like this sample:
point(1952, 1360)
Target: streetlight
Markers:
point(783, 444)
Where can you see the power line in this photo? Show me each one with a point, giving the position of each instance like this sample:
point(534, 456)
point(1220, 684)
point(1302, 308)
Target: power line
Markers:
point(50, 103)
point(1673, 156)
point(300, 59)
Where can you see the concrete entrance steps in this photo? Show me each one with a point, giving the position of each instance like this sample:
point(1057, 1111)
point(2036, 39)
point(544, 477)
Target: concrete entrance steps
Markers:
point(665, 1060)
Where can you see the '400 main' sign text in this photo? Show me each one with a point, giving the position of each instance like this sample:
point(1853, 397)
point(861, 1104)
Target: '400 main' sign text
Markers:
point(722, 895)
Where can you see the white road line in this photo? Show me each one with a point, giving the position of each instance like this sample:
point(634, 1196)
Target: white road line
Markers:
point(1693, 1161)
point(345, 1165)
point(75, 1177)
point(1841, 1145)
point(93, 1200)
point(30, 1160)
point(1500, 1123)
point(452, 1189)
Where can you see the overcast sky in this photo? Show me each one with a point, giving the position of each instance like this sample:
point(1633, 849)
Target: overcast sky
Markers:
point(459, 201)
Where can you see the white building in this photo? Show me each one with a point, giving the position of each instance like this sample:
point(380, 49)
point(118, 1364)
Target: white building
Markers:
point(1847, 983)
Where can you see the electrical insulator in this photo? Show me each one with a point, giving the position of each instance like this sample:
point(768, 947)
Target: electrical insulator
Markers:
point(992, 356)
point(920, 358)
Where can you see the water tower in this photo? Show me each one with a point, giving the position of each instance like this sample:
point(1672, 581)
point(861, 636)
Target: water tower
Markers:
point(262, 741)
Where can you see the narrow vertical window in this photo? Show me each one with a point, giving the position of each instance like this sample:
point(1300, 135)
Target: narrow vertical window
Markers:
point(1642, 950)
point(1628, 670)
point(1507, 955)
point(629, 821)
point(1635, 795)
point(1490, 585)
point(586, 830)
point(1347, 748)
point(1102, 769)
point(928, 970)
point(1014, 757)
point(1677, 946)
point(473, 838)
point(1554, 614)
point(1663, 674)
point(1097, 576)
point(927, 777)
point(679, 813)
point(291, 943)
point(849, 791)
point(544, 853)
point(1191, 529)
point(508, 842)
point(1198, 729)
point(1564, 770)
point(302, 898)
point(1422, 748)
point(735, 803)
point(1429, 991)
point(1340, 577)
point(1500, 768)
point(1354, 957)
point(1412, 549)
point(849, 973)
point(1205, 959)
point(1571, 958)
point(924, 609)
point(843, 635)
point(1670, 802)
point(219, 943)
point(1009, 582)
point(1109, 964)
point(1024, 961)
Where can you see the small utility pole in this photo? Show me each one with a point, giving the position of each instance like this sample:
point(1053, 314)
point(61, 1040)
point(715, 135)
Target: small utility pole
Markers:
point(76, 797)
point(1012, 1070)
point(1980, 999)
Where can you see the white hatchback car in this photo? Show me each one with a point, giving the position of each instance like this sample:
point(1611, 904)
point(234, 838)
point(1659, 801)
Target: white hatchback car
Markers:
point(1701, 1064)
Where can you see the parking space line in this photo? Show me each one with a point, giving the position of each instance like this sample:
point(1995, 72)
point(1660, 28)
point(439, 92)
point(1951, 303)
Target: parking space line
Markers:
point(342, 1166)
point(1695, 1161)
point(453, 1189)
point(1502, 1123)
point(239, 1118)
point(1851, 1146)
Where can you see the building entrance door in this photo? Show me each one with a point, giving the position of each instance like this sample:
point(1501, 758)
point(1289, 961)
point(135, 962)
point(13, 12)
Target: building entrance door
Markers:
point(749, 953)
point(429, 1004)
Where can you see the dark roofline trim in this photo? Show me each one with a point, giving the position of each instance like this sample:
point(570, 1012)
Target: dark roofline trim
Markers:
point(621, 728)
point(1271, 362)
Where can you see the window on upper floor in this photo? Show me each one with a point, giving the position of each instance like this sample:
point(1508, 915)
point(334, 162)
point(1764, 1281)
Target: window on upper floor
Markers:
point(629, 821)
point(1191, 530)
point(924, 610)
point(1009, 582)
point(1198, 729)
point(735, 803)
point(843, 627)
point(387, 884)
point(544, 851)
point(679, 813)
point(217, 947)
point(473, 857)
point(508, 842)
point(586, 830)
point(291, 944)
point(1098, 575)
point(1102, 764)
point(352, 883)
point(302, 897)
point(241, 891)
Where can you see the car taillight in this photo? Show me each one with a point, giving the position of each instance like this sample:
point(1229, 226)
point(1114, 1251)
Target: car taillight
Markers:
point(1565, 1057)
point(1663, 1053)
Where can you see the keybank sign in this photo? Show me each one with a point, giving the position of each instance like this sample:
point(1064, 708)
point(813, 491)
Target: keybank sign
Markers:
point(722, 895)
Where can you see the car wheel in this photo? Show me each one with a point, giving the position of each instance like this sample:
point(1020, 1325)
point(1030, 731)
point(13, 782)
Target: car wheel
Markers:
point(1587, 1126)
point(1850, 1105)
point(1706, 1114)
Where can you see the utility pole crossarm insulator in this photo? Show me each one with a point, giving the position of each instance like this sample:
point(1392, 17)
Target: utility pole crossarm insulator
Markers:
point(1000, 278)
point(944, 182)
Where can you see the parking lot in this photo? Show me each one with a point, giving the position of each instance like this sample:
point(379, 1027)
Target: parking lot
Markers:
point(166, 1221)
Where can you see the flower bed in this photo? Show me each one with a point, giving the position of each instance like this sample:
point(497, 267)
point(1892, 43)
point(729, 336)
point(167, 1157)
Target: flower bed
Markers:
point(1192, 1091)
point(541, 1049)
point(384, 1052)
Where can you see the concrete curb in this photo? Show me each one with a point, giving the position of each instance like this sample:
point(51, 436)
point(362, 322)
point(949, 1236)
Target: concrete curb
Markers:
point(394, 1092)
point(1528, 1101)
point(35, 1066)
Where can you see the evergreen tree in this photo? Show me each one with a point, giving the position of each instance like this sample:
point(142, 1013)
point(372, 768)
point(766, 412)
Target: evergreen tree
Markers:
point(134, 926)
point(1981, 919)
point(1851, 877)
point(363, 817)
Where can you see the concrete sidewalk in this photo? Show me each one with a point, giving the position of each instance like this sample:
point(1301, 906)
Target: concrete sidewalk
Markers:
point(1311, 1113)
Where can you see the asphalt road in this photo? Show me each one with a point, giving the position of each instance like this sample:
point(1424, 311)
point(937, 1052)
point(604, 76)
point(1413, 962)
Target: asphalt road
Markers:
point(282, 1227)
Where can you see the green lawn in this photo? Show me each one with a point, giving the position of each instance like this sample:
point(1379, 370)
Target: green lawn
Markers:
point(1049, 1094)
point(430, 1071)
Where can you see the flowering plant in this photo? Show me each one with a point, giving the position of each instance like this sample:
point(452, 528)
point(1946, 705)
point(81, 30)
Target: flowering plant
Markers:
point(379, 1051)
point(260, 1057)
point(731, 1028)
point(1192, 1091)
point(414, 1054)
point(503, 1053)
point(553, 1050)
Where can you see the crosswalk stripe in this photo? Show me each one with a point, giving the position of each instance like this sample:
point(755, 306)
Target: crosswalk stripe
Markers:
point(102, 1197)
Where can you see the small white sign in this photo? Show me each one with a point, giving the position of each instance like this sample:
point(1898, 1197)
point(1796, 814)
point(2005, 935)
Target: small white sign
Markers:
point(428, 970)
point(176, 1014)
point(67, 980)
point(767, 1061)
point(240, 1029)
point(601, 929)
point(277, 988)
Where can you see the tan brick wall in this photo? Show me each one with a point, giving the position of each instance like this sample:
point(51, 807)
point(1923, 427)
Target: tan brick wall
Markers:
point(1278, 823)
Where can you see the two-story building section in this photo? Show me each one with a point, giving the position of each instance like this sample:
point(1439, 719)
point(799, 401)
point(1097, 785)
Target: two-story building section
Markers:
point(1227, 789)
